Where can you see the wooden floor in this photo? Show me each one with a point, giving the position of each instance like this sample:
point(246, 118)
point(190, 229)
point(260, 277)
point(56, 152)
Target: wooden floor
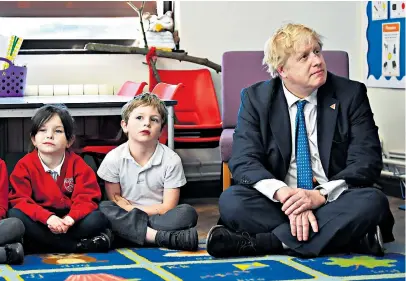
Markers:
point(207, 209)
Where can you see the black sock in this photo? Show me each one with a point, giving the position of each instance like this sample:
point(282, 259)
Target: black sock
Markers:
point(269, 243)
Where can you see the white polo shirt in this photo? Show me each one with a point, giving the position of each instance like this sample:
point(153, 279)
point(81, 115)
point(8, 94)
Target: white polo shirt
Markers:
point(143, 185)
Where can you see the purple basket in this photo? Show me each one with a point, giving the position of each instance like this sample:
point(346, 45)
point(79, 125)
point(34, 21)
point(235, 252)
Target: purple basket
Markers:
point(12, 80)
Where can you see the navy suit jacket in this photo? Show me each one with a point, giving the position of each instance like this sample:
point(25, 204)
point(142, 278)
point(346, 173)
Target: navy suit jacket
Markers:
point(347, 136)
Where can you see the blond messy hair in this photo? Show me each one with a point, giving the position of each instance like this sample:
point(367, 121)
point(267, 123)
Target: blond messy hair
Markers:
point(286, 41)
point(145, 99)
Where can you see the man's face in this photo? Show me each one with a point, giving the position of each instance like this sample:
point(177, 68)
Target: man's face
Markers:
point(305, 70)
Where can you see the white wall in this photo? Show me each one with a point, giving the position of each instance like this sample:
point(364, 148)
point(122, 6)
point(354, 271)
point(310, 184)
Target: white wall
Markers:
point(209, 28)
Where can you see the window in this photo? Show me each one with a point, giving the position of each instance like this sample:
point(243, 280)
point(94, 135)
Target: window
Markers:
point(71, 24)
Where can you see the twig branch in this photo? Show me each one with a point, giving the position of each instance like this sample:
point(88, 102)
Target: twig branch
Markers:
point(140, 13)
point(112, 48)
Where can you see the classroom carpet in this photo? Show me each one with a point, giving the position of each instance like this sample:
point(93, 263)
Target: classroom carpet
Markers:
point(153, 264)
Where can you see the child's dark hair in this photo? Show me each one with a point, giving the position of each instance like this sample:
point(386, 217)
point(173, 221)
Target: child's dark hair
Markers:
point(46, 112)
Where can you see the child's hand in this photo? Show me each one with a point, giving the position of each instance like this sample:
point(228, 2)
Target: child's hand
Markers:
point(68, 221)
point(122, 202)
point(56, 225)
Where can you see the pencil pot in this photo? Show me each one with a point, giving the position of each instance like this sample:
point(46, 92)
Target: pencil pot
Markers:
point(12, 80)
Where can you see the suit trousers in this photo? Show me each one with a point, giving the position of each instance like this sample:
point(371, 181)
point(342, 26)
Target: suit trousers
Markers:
point(130, 228)
point(341, 222)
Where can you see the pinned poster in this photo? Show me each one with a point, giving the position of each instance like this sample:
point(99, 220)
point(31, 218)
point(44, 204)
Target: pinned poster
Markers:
point(379, 10)
point(390, 49)
point(397, 9)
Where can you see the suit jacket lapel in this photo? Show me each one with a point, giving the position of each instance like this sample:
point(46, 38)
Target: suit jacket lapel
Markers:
point(280, 124)
point(327, 109)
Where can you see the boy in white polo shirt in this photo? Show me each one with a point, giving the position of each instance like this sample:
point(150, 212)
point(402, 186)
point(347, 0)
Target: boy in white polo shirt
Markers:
point(143, 179)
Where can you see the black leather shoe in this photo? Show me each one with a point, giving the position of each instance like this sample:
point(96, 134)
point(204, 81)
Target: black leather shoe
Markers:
point(371, 243)
point(14, 253)
point(222, 243)
point(98, 244)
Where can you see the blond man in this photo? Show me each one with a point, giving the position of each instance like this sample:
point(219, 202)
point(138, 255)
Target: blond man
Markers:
point(305, 157)
point(142, 181)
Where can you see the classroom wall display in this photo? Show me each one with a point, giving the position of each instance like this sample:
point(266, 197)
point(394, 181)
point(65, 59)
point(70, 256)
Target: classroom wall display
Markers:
point(385, 44)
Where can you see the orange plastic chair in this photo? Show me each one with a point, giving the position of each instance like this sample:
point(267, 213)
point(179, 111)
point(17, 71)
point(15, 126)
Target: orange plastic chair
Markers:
point(100, 146)
point(197, 113)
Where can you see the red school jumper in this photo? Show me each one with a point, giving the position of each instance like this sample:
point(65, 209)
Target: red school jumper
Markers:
point(3, 189)
point(34, 191)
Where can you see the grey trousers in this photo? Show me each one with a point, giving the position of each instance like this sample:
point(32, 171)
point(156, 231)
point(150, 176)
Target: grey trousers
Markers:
point(11, 231)
point(132, 226)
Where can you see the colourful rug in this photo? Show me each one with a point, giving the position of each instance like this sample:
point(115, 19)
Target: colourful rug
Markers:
point(154, 264)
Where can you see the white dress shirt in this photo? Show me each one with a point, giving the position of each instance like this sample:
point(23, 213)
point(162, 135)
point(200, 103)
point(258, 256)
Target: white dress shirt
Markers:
point(268, 187)
point(56, 170)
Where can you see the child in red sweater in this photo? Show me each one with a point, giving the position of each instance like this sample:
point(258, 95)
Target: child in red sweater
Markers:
point(55, 193)
point(11, 229)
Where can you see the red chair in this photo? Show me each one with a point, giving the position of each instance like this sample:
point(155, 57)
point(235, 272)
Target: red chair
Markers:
point(198, 121)
point(131, 89)
point(98, 147)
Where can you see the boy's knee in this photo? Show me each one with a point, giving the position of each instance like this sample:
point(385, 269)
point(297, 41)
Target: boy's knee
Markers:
point(188, 214)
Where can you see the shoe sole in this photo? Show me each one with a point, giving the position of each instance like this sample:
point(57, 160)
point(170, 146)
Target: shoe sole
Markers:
point(208, 238)
point(380, 239)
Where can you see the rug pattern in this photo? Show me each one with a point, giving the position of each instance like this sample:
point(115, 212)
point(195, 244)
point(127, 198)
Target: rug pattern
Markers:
point(156, 264)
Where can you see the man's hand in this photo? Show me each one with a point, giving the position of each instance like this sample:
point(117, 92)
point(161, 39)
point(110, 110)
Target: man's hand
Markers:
point(301, 200)
point(56, 225)
point(284, 193)
point(299, 225)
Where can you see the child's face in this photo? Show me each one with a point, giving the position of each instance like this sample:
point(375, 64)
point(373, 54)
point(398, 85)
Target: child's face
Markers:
point(51, 138)
point(144, 124)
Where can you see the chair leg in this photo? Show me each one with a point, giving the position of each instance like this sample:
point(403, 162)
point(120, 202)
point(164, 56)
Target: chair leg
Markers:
point(226, 176)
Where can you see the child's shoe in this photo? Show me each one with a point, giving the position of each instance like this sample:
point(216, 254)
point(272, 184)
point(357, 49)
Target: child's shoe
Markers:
point(100, 243)
point(178, 240)
point(14, 253)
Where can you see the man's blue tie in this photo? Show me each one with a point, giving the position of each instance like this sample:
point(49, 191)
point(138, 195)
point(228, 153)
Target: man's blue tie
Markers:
point(303, 161)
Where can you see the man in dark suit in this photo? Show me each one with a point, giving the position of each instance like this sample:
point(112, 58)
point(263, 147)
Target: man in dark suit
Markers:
point(305, 156)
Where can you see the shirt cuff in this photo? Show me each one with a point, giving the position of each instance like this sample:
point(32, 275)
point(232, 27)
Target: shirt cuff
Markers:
point(268, 187)
point(333, 188)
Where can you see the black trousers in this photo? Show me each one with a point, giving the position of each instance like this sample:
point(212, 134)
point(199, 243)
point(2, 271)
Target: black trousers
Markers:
point(131, 226)
point(341, 222)
point(39, 239)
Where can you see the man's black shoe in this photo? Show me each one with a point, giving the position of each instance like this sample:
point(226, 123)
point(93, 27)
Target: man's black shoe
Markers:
point(98, 244)
point(371, 244)
point(222, 243)
point(178, 240)
point(14, 253)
